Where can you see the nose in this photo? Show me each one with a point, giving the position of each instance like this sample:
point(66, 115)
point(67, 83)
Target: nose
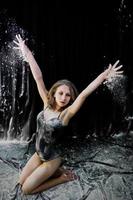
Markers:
point(63, 97)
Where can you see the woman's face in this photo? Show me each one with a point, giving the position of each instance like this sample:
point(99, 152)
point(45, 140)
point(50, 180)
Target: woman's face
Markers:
point(62, 96)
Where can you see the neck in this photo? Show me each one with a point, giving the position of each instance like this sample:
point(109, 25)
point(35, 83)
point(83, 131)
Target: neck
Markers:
point(57, 108)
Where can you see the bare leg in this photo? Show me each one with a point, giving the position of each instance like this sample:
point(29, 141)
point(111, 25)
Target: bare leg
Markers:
point(42, 173)
point(31, 165)
point(65, 177)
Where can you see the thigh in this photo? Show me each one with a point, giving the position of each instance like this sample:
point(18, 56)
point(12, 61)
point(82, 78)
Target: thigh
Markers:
point(41, 174)
point(31, 165)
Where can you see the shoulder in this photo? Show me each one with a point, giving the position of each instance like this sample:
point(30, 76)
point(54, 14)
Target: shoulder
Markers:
point(40, 115)
point(45, 106)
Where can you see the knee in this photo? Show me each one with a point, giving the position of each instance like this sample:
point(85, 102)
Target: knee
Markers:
point(26, 189)
point(22, 178)
point(21, 181)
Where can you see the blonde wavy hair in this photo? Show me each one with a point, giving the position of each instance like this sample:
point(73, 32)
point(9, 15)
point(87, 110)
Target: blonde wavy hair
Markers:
point(72, 88)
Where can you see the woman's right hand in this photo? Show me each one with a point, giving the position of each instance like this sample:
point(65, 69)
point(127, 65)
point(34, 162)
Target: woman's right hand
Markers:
point(21, 46)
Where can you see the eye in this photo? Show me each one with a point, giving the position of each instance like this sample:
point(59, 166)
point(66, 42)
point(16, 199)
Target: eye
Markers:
point(60, 93)
point(68, 95)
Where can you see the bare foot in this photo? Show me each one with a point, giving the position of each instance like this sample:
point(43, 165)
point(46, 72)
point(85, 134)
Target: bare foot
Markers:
point(64, 174)
point(68, 175)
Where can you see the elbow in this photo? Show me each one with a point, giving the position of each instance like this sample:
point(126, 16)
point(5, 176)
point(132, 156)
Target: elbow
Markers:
point(39, 78)
point(83, 96)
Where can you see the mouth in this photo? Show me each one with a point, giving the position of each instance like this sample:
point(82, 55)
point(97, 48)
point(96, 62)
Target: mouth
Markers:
point(62, 102)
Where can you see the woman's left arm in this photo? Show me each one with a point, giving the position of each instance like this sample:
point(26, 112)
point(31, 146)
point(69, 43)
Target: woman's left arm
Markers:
point(109, 73)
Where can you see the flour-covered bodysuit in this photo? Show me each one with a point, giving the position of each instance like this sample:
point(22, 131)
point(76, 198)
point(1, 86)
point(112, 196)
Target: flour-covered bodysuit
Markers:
point(49, 130)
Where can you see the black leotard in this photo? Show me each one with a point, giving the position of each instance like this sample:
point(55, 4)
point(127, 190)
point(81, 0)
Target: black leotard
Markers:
point(49, 129)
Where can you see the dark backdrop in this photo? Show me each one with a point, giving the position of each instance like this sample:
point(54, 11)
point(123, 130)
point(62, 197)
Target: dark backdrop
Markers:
point(77, 41)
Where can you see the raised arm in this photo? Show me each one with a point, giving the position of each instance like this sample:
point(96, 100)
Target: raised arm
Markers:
point(36, 72)
point(109, 73)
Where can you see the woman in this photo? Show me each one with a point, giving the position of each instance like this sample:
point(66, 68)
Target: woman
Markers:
point(61, 103)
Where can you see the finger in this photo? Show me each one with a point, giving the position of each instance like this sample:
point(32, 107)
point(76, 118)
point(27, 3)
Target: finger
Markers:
point(15, 42)
point(120, 72)
point(17, 37)
point(110, 65)
point(118, 75)
point(22, 42)
point(16, 48)
point(117, 68)
point(116, 64)
point(109, 68)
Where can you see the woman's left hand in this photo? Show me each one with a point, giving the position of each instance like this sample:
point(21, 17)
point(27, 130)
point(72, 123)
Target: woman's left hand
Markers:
point(112, 71)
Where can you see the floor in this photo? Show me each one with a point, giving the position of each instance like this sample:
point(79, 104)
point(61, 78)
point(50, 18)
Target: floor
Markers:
point(104, 167)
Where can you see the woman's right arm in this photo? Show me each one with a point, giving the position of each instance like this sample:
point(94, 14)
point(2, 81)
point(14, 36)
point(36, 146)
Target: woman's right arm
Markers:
point(36, 72)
